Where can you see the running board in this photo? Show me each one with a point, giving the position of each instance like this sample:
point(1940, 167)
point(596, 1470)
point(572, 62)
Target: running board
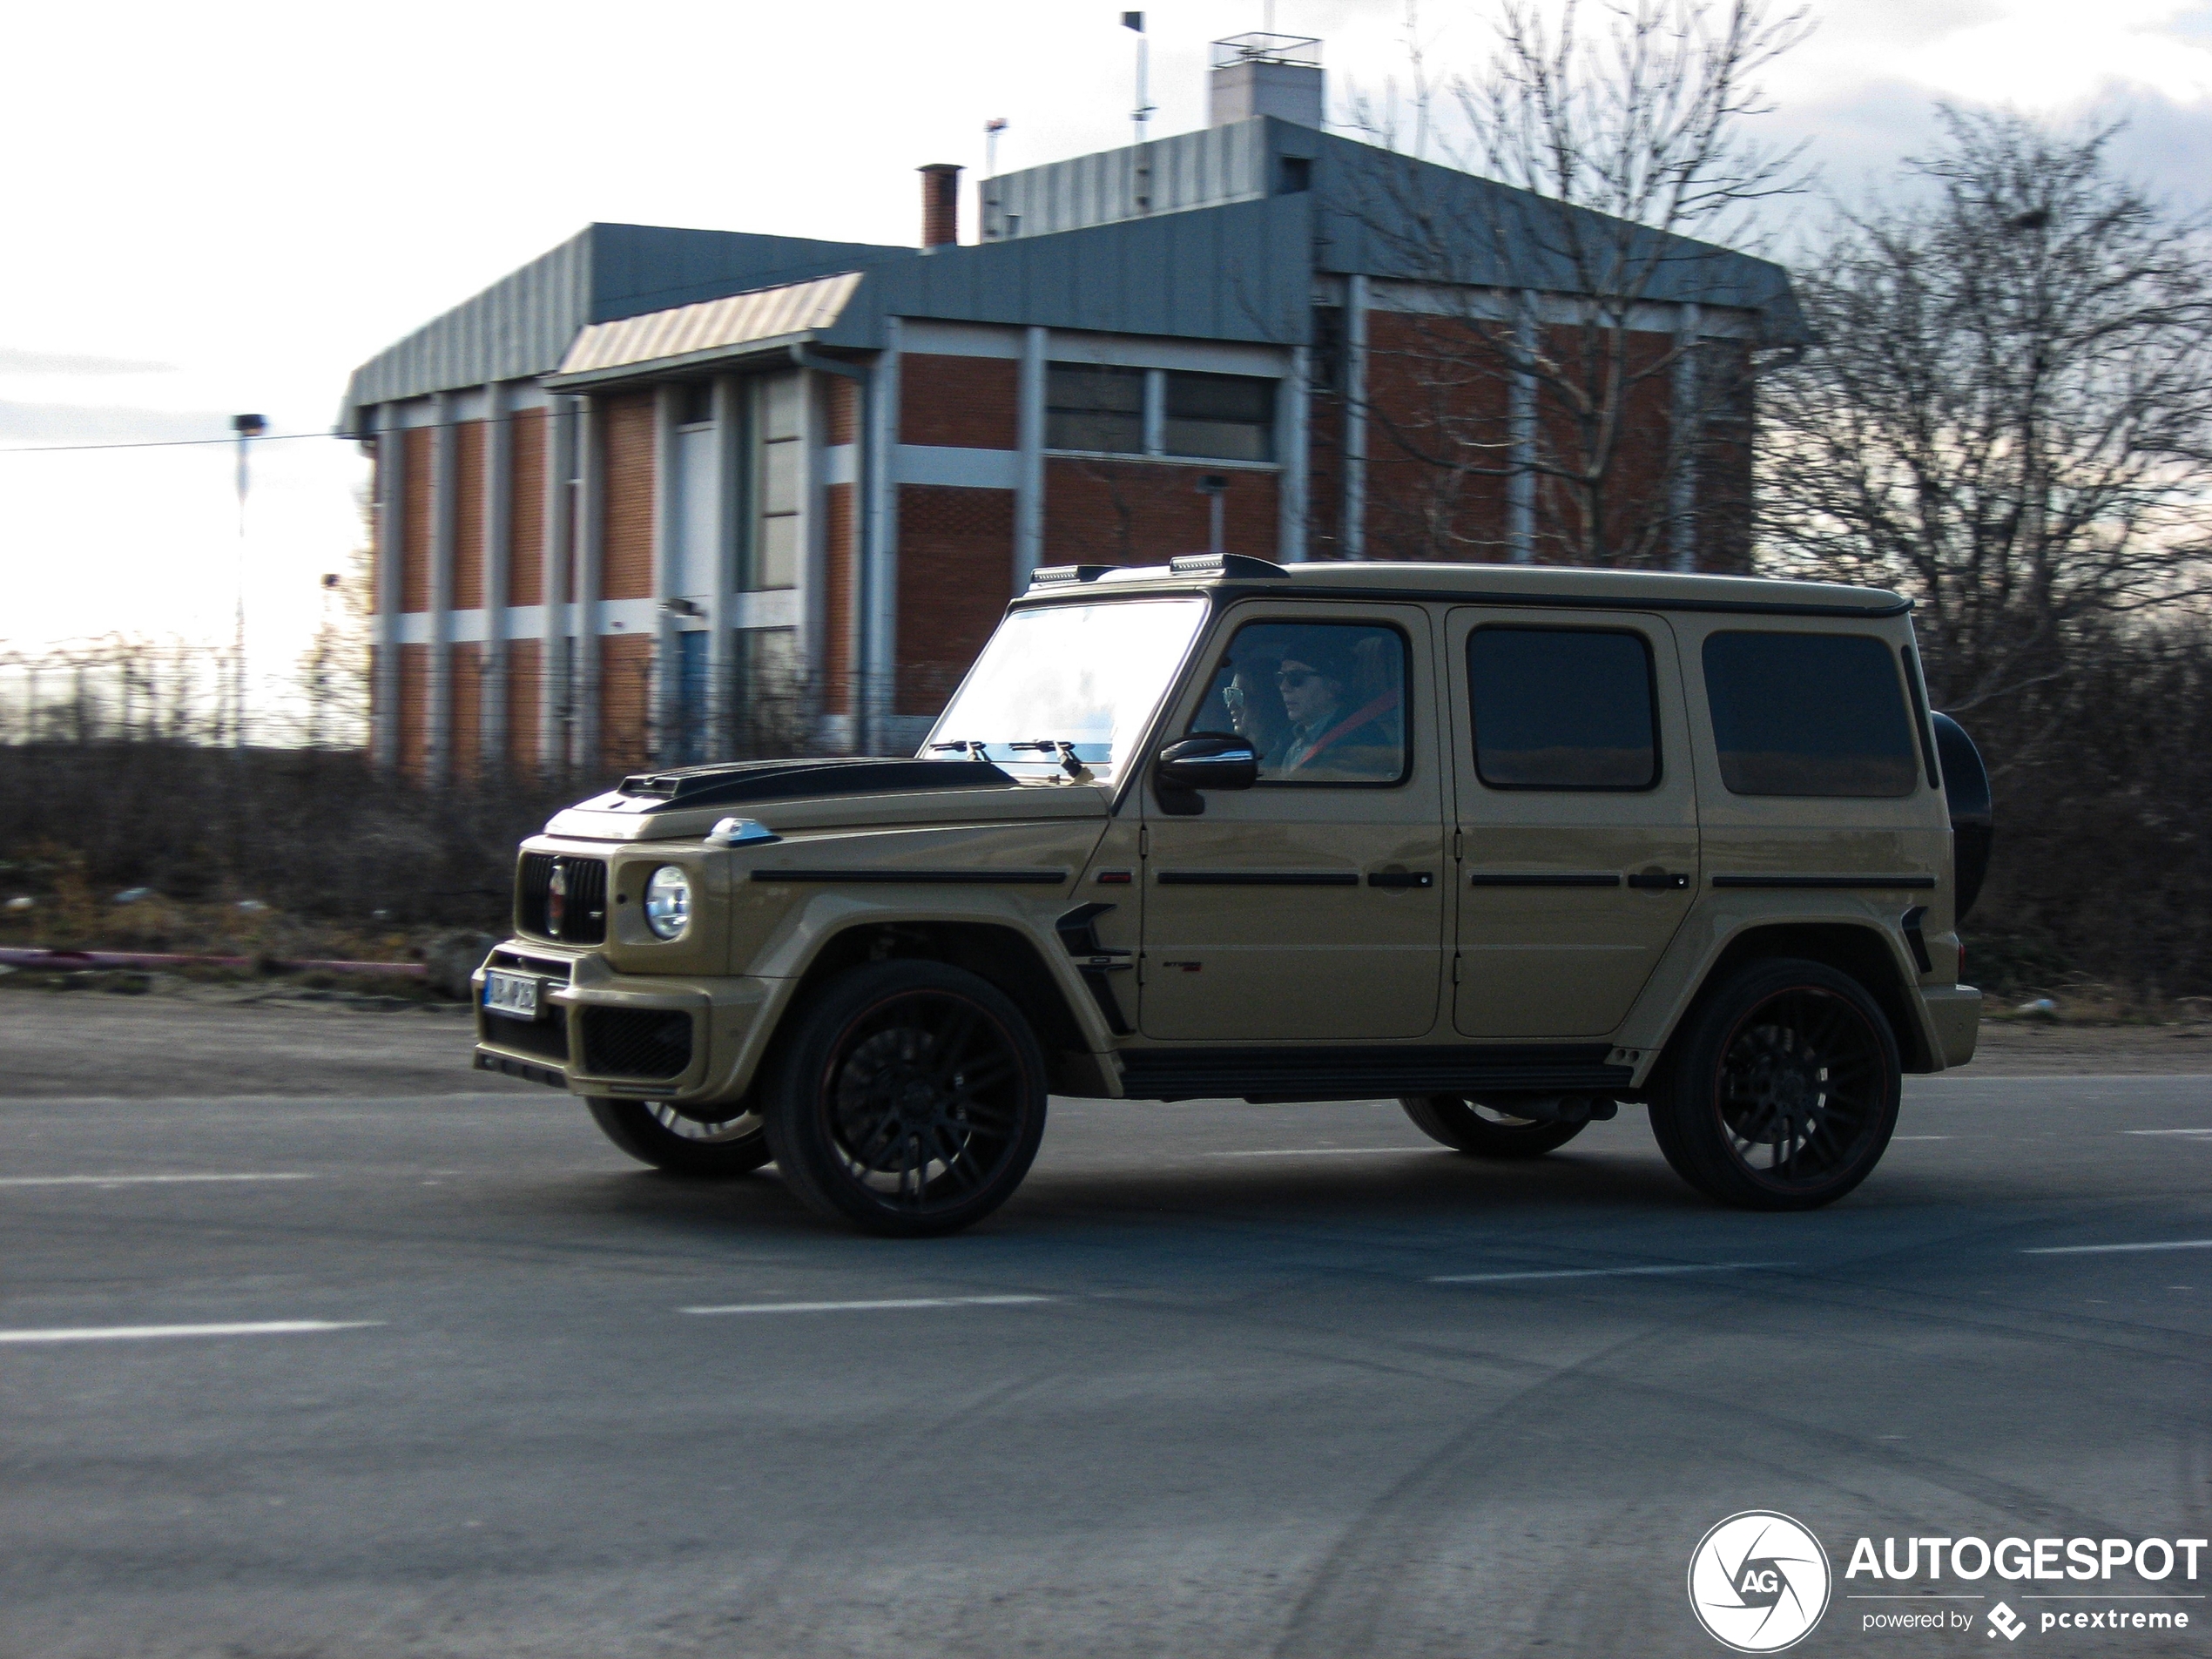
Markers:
point(1288, 1074)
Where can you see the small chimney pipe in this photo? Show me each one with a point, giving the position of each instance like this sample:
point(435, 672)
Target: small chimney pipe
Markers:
point(939, 204)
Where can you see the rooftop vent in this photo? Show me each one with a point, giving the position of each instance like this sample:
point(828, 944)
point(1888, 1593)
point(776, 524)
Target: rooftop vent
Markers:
point(939, 204)
point(1261, 74)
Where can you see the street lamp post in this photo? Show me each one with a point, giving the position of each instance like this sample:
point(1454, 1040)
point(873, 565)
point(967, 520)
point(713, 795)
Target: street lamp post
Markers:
point(248, 428)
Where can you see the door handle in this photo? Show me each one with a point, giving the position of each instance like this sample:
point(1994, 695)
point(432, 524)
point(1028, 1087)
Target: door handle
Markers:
point(1401, 879)
point(1657, 880)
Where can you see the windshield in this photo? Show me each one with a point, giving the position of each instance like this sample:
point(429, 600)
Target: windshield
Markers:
point(1085, 675)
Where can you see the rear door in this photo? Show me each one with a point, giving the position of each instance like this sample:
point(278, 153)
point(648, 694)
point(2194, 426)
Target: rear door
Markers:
point(1309, 909)
point(1576, 811)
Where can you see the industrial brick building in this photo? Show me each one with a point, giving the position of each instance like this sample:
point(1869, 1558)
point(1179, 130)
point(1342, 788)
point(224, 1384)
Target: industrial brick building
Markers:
point(664, 494)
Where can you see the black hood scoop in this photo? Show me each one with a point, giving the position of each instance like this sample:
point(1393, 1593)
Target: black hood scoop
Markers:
point(744, 781)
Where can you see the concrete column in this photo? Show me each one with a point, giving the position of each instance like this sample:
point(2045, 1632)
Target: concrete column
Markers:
point(391, 525)
point(583, 696)
point(1293, 397)
point(1682, 445)
point(1353, 533)
point(1521, 488)
point(499, 507)
point(445, 442)
point(879, 586)
point(555, 690)
point(729, 502)
point(662, 696)
point(1029, 478)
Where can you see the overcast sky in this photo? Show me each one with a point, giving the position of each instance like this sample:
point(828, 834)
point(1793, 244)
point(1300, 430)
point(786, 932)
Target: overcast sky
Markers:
point(217, 209)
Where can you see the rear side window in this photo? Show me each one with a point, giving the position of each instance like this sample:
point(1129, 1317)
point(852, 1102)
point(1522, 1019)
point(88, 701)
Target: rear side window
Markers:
point(1562, 708)
point(1808, 714)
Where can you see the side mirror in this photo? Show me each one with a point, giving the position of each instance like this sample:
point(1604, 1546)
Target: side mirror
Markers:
point(1207, 760)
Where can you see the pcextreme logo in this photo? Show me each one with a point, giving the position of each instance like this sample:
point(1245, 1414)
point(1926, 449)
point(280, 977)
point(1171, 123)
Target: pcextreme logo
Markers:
point(1758, 1581)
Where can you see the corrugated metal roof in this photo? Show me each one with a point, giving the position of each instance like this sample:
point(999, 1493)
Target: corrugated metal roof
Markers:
point(1207, 168)
point(711, 329)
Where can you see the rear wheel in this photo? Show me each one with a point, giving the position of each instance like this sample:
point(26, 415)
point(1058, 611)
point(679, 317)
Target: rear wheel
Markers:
point(1782, 1093)
point(1485, 1130)
point(688, 1140)
point(910, 1100)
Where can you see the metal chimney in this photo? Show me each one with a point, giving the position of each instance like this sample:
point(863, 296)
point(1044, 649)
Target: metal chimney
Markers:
point(939, 204)
point(1263, 74)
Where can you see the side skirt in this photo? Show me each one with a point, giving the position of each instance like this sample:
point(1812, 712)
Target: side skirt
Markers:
point(1291, 1074)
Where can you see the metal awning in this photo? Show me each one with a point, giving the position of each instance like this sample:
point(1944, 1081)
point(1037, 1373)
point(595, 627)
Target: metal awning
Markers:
point(661, 342)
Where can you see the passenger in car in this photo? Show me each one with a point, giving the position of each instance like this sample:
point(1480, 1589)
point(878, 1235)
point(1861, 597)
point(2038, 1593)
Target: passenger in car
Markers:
point(1332, 735)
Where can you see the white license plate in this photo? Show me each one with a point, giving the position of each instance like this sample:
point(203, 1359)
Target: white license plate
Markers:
point(512, 994)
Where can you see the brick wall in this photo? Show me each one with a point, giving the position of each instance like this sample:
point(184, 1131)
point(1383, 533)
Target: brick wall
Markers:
point(467, 690)
point(956, 571)
point(415, 709)
point(526, 431)
point(525, 672)
point(625, 428)
point(841, 418)
point(626, 664)
point(1135, 512)
point(469, 516)
point(1435, 389)
point(839, 593)
point(1721, 533)
point(967, 402)
point(414, 519)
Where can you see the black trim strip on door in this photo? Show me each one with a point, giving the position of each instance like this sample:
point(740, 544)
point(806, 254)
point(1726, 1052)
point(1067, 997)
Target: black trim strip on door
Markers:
point(1511, 879)
point(1258, 879)
point(1869, 883)
point(963, 877)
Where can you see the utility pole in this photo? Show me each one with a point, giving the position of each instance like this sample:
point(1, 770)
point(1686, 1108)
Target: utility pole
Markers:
point(1143, 114)
point(248, 428)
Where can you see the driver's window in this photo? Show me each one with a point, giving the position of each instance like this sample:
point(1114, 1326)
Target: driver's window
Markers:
point(1321, 702)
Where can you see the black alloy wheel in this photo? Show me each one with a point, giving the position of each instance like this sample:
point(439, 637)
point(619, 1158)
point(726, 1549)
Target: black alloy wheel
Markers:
point(1782, 1092)
point(707, 1142)
point(910, 1099)
point(1483, 1129)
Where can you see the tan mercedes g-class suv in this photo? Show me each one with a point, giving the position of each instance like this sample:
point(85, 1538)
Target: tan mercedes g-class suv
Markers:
point(1509, 845)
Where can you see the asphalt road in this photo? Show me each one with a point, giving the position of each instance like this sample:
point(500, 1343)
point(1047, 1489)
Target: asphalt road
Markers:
point(1198, 1391)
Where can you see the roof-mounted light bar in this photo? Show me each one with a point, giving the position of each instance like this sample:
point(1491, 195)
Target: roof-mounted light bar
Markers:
point(1045, 575)
point(1226, 564)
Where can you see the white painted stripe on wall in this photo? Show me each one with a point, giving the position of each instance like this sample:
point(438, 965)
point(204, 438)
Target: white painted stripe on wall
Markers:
point(841, 463)
point(925, 464)
point(776, 608)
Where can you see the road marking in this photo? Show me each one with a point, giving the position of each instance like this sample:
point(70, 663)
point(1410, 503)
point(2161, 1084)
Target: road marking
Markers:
point(131, 1180)
point(867, 1307)
point(1321, 1152)
point(1599, 1272)
point(1920, 1137)
point(143, 1333)
point(2166, 1131)
point(2114, 1250)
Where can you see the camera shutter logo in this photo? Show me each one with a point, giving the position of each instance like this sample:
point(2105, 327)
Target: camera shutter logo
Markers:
point(1759, 1581)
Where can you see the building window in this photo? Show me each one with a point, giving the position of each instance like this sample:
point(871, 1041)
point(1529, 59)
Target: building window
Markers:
point(1220, 417)
point(1093, 407)
point(697, 402)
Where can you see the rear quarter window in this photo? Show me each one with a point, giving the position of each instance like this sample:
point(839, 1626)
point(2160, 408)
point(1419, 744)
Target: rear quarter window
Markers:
point(1808, 714)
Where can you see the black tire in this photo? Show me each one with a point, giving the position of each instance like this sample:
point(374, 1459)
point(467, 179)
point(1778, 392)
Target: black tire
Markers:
point(909, 1099)
point(678, 1141)
point(1781, 1092)
point(1485, 1130)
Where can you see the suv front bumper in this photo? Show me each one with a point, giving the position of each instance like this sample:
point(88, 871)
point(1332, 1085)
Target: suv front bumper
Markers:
point(634, 1036)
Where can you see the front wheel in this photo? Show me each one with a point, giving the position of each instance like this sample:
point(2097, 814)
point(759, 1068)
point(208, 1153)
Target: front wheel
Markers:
point(909, 1099)
point(1782, 1093)
point(684, 1141)
point(1484, 1130)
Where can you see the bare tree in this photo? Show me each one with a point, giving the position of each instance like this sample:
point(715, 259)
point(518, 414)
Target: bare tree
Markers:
point(2007, 411)
point(1585, 341)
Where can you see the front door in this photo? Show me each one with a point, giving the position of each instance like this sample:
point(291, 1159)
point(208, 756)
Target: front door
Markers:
point(1308, 908)
point(1577, 815)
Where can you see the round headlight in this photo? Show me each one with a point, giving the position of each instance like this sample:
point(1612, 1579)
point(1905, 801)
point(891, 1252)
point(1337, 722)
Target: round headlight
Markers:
point(668, 902)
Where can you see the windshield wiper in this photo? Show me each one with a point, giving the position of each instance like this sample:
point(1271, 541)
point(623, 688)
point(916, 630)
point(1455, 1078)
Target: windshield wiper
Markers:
point(973, 751)
point(1077, 772)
